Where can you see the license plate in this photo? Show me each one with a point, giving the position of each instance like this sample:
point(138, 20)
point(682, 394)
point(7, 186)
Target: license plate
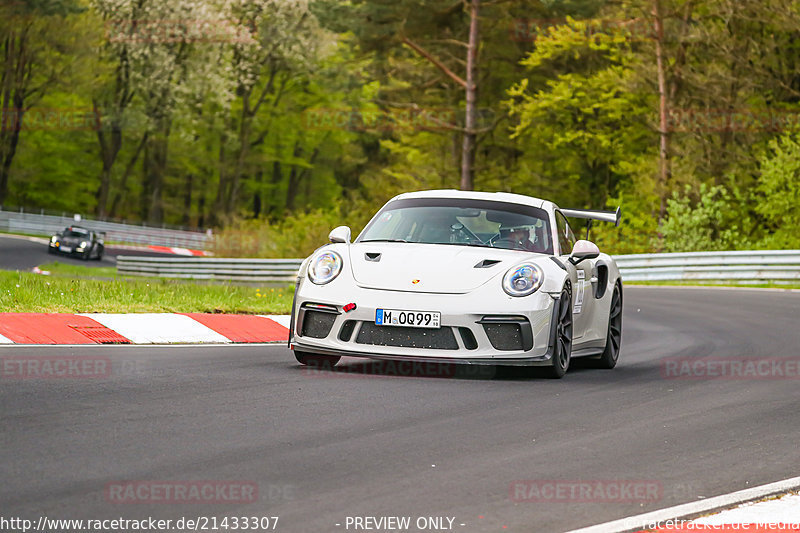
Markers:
point(66, 249)
point(409, 319)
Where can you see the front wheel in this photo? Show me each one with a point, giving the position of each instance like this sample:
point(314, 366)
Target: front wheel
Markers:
point(312, 359)
point(562, 349)
point(610, 355)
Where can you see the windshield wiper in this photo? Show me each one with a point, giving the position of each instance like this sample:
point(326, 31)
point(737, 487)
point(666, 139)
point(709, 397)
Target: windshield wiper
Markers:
point(474, 245)
point(386, 240)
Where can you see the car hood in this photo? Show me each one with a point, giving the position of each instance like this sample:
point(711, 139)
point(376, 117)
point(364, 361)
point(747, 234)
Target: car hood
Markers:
point(72, 241)
point(429, 268)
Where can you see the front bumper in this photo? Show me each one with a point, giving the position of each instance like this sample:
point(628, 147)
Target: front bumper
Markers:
point(72, 249)
point(469, 331)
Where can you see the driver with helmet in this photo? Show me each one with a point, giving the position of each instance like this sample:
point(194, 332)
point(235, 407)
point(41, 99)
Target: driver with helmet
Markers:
point(519, 236)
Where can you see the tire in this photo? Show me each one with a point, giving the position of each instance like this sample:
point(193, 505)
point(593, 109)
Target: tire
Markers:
point(312, 359)
point(610, 355)
point(562, 349)
point(86, 255)
point(100, 251)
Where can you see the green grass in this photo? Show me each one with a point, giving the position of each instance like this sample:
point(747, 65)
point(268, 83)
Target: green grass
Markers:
point(22, 292)
point(74, 270)
point(764, 285)
point(74, 288)
point(23, 234)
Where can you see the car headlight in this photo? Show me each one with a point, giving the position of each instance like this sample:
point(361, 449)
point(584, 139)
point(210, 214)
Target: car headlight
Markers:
point(523, 280)
point(325, 267)
point(83, 244)
point(53, 239)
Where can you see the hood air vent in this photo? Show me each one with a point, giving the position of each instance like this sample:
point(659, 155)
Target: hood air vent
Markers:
point(486, 263)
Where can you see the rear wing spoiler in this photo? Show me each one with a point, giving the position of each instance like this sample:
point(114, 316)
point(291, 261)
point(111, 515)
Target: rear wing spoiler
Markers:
point(603, 216)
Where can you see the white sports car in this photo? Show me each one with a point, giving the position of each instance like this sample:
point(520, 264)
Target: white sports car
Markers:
point(461, 277)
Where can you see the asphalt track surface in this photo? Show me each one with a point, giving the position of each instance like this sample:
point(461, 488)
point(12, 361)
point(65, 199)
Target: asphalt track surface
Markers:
point(325, 445)
point(22, 254)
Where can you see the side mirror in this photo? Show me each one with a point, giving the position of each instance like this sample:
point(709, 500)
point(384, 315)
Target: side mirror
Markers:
point(340, 234)
point(583, 250)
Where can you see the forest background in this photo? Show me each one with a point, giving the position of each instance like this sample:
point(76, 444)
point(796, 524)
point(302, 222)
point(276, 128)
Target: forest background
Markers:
point(272, 121)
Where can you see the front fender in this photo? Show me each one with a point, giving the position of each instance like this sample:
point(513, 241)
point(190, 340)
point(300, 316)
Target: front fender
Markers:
point(556, 274)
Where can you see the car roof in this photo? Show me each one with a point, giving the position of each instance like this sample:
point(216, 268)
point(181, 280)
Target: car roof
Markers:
point(476, 195)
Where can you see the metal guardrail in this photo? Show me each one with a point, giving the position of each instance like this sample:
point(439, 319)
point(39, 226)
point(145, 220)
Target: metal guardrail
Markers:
point(47, 225)
point(740, 266)
point(201, 268)
point(747, 266)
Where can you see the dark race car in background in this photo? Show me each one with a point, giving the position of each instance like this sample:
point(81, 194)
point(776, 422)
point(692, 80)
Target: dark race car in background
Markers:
point(82, 242)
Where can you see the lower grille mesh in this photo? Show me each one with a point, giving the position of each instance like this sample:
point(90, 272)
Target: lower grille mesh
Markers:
point(504, 336)
point(433, 339)
point(317, 324)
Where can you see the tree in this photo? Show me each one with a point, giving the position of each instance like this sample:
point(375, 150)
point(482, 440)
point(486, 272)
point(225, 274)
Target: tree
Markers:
point(581, 125)
point(779, 187)
point(29, 39)
point(166, 53)
point(435, 31)
point(286, 41)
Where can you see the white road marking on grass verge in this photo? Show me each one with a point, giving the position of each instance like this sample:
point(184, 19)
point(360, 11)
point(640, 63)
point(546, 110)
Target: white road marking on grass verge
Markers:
point(158, 328)
point(784, 510)
point(693, 509)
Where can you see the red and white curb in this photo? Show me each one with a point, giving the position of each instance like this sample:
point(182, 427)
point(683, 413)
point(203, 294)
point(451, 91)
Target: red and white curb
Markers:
point(141, 328)
point(173, 250)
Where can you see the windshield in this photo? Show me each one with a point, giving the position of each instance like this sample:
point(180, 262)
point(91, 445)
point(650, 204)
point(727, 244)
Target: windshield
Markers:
point(79, 233)
point(462, 222)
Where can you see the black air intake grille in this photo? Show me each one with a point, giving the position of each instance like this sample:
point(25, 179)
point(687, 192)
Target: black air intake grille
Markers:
point(434, 339)
point(504, 336)
point(317, 324)
point(347, 330)
point(468, 339)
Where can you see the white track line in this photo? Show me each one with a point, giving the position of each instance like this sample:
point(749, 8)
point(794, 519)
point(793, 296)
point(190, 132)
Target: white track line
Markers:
point(5, 340)
point(693, 509)
point(158, 328)
point(784, 510)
